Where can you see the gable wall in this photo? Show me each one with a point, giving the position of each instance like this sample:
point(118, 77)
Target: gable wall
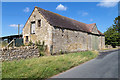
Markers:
point(43, 33)
point(94, 30)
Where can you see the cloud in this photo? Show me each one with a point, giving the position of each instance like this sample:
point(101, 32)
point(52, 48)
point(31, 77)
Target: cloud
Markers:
point(84, 13)
point(16, 25)
point(108, 3)
point(61, 7)
point(27, 9)
point(91, 20)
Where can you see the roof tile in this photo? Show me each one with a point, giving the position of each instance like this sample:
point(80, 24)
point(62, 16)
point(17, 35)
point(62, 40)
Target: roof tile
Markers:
point(64, 22)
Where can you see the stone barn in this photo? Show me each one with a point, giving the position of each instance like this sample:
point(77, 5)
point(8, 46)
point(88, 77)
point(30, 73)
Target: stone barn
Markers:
point(61, 33)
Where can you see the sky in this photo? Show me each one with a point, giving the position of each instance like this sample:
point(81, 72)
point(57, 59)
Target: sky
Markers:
point(101, 13)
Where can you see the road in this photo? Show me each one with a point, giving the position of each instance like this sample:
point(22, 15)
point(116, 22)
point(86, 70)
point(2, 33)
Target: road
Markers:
point(104, 66)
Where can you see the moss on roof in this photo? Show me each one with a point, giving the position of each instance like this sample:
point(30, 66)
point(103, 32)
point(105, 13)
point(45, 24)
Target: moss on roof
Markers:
point(64, 22)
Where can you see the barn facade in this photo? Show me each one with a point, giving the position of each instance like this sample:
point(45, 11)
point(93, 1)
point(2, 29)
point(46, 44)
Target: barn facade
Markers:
point(61, 33)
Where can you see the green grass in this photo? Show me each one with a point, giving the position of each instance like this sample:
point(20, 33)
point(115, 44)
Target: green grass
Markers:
point(44, 67)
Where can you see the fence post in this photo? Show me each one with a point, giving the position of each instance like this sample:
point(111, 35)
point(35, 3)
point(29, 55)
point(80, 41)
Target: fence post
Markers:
point(14, 43)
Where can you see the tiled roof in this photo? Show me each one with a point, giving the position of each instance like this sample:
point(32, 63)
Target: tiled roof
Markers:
point(64, 22)
point(90, 26)
point(100, 32)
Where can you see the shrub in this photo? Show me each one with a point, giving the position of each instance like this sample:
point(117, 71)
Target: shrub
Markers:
point(41, 47)
point(61, 52)
point(22, 44)
point(3, 43)
point(30, 43)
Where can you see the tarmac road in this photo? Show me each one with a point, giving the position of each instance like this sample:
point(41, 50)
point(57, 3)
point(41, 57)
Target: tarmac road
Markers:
point(104, 66)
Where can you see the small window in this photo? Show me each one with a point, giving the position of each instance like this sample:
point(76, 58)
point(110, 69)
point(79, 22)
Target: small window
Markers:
point(26, 39)
point(39, 23)
point(33, 27)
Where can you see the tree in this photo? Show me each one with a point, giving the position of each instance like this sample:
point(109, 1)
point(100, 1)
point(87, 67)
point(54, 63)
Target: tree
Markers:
point(112, 35)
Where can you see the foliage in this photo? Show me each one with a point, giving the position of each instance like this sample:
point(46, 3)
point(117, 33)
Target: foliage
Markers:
point(30, 43)
point(112, 36)
point(41, 47)
point(61, 52)
point(22, 44)
point(3, 43)
point(44, 67)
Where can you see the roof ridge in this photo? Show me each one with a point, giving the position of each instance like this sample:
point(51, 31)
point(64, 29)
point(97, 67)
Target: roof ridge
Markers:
point(58, 20)
point(60, 15)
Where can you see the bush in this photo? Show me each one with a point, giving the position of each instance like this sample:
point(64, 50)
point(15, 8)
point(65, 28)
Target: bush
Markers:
point(30, 43)
point(61, 52)
point(22, 44)
point(41, 47)
point(3, 43)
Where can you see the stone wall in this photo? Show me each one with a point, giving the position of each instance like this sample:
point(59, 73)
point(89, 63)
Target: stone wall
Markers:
point(68, 40)
point(19, 53)
point(72, 41)
point(89, 42)
point(103, 42)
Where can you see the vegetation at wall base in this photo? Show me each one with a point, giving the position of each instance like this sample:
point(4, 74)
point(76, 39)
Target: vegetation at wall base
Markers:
point(3, 43)
point(44, 67)
point(41, 47)
point(30, 43)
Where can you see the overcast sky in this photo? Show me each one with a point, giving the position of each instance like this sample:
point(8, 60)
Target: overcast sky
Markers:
point(101, 13)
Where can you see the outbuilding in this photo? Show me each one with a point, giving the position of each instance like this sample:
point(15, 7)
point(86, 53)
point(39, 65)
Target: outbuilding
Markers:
point(61, 33)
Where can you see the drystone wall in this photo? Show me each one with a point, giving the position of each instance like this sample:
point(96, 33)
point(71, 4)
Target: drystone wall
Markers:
point(68, 40)
point(19, 53)
point(73, 41)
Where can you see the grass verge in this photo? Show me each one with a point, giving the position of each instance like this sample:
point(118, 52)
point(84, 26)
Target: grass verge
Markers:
point(110, 48)
point(44, 67)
